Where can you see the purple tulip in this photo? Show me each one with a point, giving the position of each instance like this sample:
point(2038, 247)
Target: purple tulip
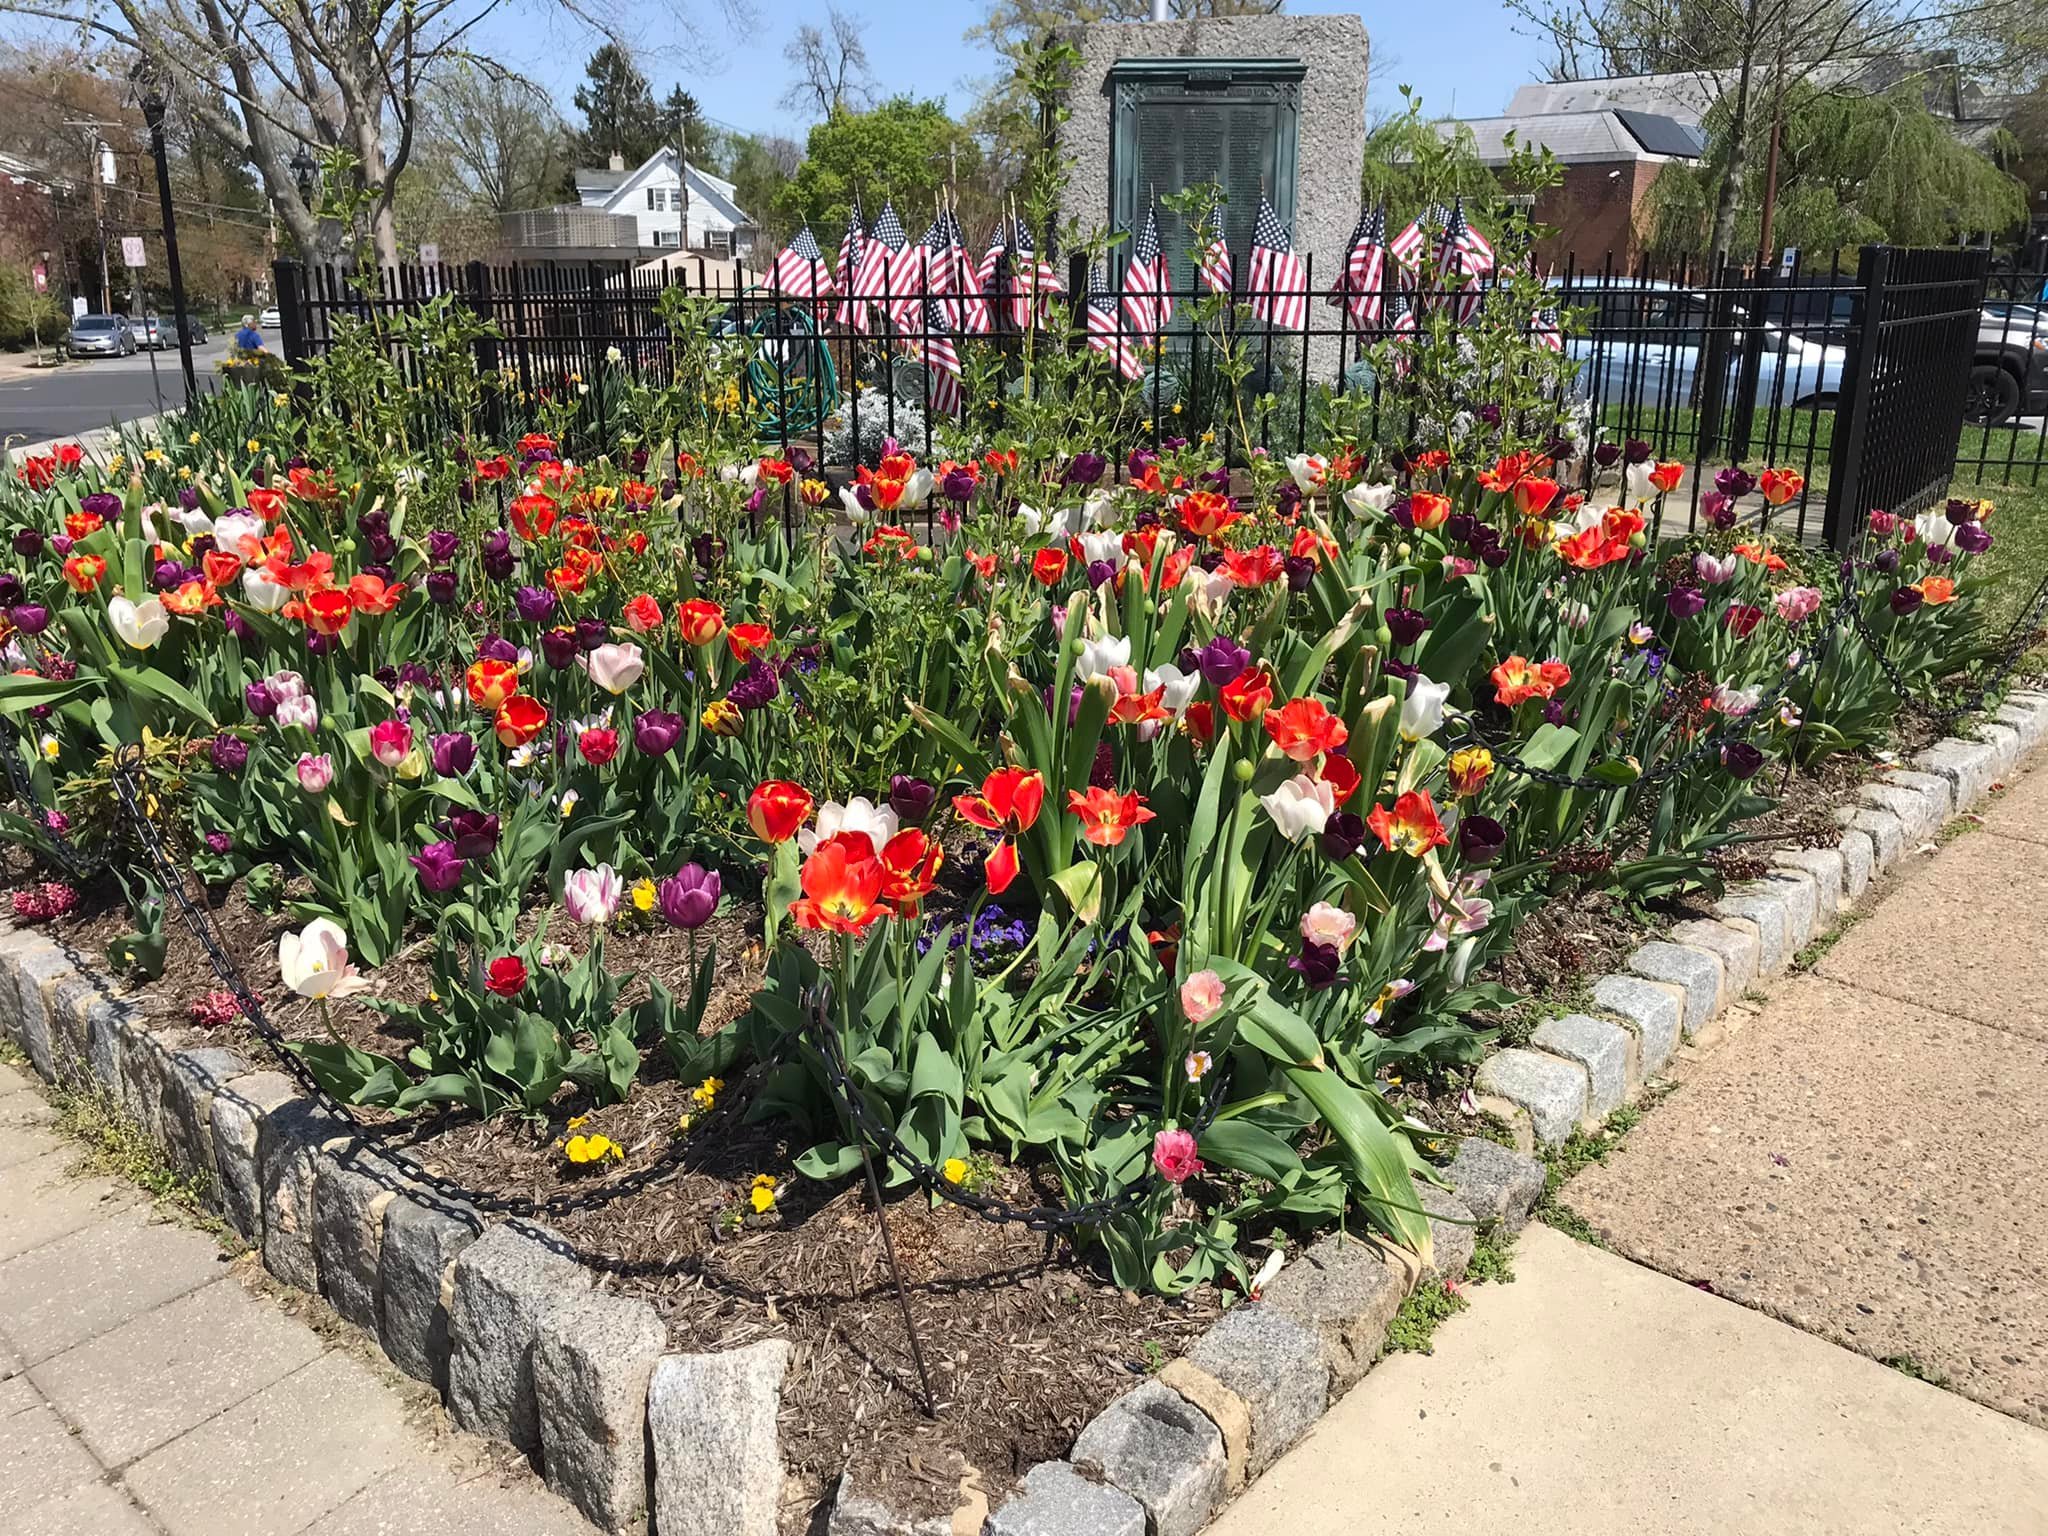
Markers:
point(1636, 451)
point(1343, 835)
point(219, 842)
point(1605, 455)
point(60, 544)
point(101, 504)
point(499, 561)
point(188, 498)
point(1906, 600)
point(1481, 840)
point(755, 688)
point(558, 647)
point(1287, 499)
point(230, 753)
point(1741, 760)
point(1972, 538)
point(1940, 554)
point(441, 867)
point(497, 648)
point(318, 644)
point(687, 898)
point(442, 545)
point(1222, 660)
point(1085, 469)
point(1100, 571)
point(30, 618)
point(1718, 508)
point(1300, 571)
point(1319, 965)
point(1407, 625)
point(591, 633)
point(911, 798)
point(168, 575)
point(454, 753)
point(1961, 511)
point(1886, 560)
point(10, 589)
point(536, 605)
point(1686, 602)
point(471, 834)
point(441, 586)
point(1406, 671)
point(708, 549)
point(28, 543)
point(1561, 448)
point(1734, 483)
point(656, 732)
point(240, 628)
point(1490, 414)
point(957, 484)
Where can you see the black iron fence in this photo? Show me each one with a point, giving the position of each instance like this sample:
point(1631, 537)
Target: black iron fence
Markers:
point(1860, 380)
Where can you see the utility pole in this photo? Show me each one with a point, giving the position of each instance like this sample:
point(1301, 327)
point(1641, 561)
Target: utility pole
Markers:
point(153, 114)
point(100, 172)
point(1770, 205)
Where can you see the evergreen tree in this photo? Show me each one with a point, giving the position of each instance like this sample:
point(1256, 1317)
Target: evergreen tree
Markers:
point(619, 114)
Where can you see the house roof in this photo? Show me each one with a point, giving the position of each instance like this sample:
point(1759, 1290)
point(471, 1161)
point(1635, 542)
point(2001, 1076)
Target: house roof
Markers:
point(1687, 94)
point(1584, 138)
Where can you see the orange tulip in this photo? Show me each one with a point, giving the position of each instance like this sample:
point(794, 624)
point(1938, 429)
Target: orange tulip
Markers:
point(842, 885)
point(776, 809)
point(1049, 565)
point(1665, 476)
point(1246, 696)
point(1534, 494)
point(491, 682)
point(533, 516)
point(910, 869)
point(642, 614)
point(1106, 816)
point(519, 719)
point(1205, 514)
point(1780, 485)
point(1412, 827)
point(1428, 509)
point(1518, 679)
point(82, 573)
point(1936, 590)
point(745, 639)
point(372, 594)
point(327, 612)
point(1305, 729)
point(1010, 800)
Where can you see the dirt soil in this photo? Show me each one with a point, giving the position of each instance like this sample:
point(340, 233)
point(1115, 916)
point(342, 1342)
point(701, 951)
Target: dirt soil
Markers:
point(1022, 1345)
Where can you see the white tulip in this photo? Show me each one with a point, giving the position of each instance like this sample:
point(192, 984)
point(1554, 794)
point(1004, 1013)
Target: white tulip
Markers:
point(877, 823)
point(263, 594)
point(139, 625)
point(849, 498)
point(1098, 656)
point(1301, 807)
point(1180, 689)
point(1363, 498)
point(314, 961)
point(1310, 470)
point(1637, 477)
point(1422, 712)
point(1934, 529)
point(1101, 546)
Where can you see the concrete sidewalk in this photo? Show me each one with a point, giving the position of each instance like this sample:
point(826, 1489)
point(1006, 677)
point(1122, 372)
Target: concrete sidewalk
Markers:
point(144, 1391)
point(1864, 1156)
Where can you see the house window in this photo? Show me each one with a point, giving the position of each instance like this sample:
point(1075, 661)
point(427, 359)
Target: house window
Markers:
point(653, 200)
point(718, 242)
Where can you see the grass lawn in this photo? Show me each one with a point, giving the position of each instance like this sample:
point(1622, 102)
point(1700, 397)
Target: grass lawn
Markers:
point(2019, 557)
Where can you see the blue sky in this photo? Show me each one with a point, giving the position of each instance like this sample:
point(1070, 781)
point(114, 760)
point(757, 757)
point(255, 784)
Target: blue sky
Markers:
point(1461, 55)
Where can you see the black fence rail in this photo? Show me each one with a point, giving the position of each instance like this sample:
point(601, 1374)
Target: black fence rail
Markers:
point(2005, 437)
point(1860, 380)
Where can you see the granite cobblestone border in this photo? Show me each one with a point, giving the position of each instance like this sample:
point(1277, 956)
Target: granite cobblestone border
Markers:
point(527, 1347)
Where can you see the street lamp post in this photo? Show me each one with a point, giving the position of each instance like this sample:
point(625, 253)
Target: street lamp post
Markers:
point(153, 115)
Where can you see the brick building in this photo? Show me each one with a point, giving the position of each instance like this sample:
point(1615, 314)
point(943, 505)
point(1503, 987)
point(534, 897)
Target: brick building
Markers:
point(1611, 157)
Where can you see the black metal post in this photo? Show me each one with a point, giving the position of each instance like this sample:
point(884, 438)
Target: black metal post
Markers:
point(285, 277)
point(1843, 517)
point(153, 114)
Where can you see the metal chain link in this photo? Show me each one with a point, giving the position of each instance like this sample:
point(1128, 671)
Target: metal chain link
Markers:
point(2019, 640)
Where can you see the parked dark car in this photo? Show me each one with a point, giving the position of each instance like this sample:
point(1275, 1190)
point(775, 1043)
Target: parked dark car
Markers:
point(2009, 376)
point(102, 336)
point(157, 333)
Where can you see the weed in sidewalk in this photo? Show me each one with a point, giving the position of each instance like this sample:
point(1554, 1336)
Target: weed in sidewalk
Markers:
point(1906, 1365)
point(115, 1147)
point(12, 1055)
point(1582, 1149)
point(1413, 1330)
point(1493, 1260)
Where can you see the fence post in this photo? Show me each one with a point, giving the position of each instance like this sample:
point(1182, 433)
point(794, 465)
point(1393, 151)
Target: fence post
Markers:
point(286, 282)
point(476, 279)
point(1843, 520)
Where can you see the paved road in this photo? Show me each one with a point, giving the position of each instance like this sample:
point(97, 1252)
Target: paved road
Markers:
point(83, 395)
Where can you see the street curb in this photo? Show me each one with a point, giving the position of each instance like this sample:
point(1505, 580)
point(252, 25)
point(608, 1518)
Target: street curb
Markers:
point(470, 1309)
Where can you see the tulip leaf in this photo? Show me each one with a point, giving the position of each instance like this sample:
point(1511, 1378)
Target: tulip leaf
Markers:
point(351, 1075)
point(1377, 1160)
point(1081, 884)
point(18, 695)
point(156, 685)
point(1548, 746)
point(1249, 1149)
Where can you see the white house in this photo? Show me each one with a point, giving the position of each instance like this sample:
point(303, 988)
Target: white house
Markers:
point(693, 210)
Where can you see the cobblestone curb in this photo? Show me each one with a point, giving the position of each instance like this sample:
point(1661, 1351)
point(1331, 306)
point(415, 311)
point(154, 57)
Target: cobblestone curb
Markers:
point(483, 1317)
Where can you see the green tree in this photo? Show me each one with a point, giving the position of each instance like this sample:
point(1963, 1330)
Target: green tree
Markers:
point(759, 166)
point(619, 113)
point(1851, 169)
point(898, 150)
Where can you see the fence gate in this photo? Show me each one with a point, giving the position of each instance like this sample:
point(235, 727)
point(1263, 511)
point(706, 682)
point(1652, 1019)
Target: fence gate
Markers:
point(1899, 420)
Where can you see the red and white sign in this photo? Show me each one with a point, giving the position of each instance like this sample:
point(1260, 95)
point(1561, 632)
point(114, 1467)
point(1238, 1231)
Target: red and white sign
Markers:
point(41, 276)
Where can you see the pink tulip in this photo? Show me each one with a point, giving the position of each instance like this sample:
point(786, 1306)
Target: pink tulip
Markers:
point(1173, 1154)
point(390, 740)
point(1201, 996)
point(315, 773)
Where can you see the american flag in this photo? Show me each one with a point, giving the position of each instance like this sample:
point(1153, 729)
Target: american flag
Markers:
point(941, 360)
point(1216, 255)
point(1462, 255)
point(1148, 298)
point(1401, 315)
point(852, 251)
point(1106, 328)
point(1407, 247)
point(988, 275)
point(1278, 280)
point(1361, 287)
point(969, 310)
point(800, 270)
point(888, 237)
point(916, 273)
point(1032, 278)
point(1545, 328)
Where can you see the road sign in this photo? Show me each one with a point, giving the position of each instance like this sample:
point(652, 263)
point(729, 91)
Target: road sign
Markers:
point(77, 306)
point(1787, 260)
point(41, 274)
point(132, 253)
point(430, 254)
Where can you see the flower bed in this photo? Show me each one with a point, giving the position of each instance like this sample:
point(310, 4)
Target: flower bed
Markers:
point(1138, 831)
